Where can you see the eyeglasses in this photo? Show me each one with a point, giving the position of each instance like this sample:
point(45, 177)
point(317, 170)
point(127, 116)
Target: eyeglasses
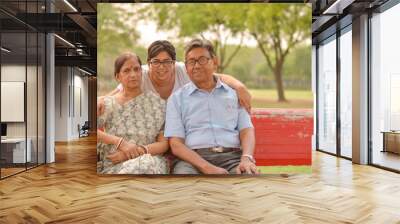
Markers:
point(157, 63)
point(202, 61)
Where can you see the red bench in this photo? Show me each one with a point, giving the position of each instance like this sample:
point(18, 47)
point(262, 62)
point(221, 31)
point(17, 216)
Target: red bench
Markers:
point(283, 136)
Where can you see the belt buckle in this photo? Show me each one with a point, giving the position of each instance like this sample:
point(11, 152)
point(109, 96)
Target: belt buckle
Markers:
point(217, 149)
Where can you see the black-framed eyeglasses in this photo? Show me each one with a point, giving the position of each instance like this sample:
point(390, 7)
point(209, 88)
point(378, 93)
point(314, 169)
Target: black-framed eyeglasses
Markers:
point(157, 63)
point(202, 61)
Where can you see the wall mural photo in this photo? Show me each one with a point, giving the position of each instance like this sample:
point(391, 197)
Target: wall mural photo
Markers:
point(201, 89)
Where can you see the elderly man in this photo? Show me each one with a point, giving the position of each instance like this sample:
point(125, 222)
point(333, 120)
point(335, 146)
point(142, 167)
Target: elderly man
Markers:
point(207, 129)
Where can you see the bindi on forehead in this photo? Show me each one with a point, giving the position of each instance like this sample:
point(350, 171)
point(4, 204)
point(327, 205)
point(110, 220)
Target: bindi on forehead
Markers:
point(130, 66)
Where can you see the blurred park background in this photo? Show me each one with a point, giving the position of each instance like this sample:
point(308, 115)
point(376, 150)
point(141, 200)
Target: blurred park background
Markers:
point(266, 46)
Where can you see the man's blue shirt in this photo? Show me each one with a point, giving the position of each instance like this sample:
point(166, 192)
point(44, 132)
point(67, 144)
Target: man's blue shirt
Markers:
point(206, 119)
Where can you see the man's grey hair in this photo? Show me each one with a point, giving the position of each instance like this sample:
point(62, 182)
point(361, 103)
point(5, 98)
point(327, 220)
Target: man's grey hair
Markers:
point(200, 43)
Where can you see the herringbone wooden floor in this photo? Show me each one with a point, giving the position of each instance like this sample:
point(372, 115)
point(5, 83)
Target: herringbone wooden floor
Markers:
point(70, 191)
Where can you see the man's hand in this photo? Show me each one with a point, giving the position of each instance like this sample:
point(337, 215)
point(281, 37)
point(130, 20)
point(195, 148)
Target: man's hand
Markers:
point(244, 97)
point(246, 167)
point(211, 169)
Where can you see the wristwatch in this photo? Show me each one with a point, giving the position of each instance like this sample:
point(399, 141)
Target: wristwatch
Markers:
point(250, 157)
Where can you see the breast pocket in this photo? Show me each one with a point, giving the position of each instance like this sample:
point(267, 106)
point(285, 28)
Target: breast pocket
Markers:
point(230, 105)
point(227, 109)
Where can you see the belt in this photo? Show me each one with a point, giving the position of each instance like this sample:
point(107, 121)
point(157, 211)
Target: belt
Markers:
point(218, 149)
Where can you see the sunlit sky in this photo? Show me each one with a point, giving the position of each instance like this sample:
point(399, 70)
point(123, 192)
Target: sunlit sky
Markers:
point(149, 32)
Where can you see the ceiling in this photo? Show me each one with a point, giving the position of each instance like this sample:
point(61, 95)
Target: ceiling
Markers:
point(330, 15)
point(76, 20)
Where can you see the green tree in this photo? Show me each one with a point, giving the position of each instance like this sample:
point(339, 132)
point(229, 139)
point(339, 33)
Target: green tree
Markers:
point(295, 66)
point(278, 28)
point(222, 21)
point(114, 28)
point(116, 34)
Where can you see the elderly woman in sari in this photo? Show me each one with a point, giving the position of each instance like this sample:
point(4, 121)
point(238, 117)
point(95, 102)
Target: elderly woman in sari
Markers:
point(130, 125)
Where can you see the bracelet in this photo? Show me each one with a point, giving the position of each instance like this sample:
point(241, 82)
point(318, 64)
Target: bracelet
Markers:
point(145, 148)
point(250, 157)
point(119, 143)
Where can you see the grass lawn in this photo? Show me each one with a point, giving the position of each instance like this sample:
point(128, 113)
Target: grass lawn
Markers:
point(284, 169)
point(268, 98)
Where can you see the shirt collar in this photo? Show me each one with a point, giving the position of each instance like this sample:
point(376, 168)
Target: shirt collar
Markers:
point(219, 85)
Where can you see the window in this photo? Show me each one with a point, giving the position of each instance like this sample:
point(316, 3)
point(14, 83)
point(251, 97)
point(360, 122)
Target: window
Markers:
point(346, 93)
point(23, 76)
point(385, 87)
point(327, 96)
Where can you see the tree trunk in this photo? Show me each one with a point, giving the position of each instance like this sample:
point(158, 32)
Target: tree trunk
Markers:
point(279, 82)
point(220, 68)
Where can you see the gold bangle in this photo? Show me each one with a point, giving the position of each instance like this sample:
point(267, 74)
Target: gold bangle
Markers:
point(145, 148)
point(119, 143)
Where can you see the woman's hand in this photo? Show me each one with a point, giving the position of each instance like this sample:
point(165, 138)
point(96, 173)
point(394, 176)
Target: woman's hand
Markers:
point(126, 151)
point(131, 150)
point(117, 157)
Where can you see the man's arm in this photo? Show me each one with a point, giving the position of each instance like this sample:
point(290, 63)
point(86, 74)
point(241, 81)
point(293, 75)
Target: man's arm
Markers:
point(180, 150)
point(247, 141)
point(241, 90)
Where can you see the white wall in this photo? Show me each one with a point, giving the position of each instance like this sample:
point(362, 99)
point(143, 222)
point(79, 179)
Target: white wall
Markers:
point(61, 103)
point(69, 85)
point(80, 94)
point(12, 73)
point(34, 124)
